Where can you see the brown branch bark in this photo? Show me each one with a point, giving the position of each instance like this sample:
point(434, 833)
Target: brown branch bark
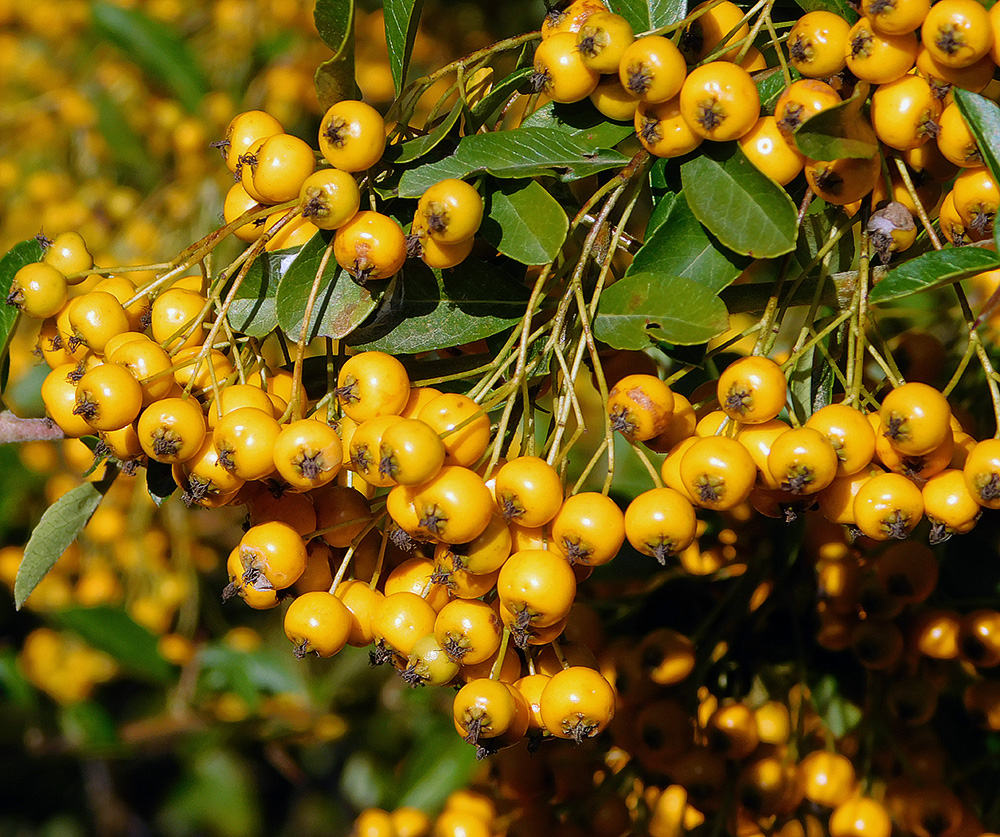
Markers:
point(14, 429)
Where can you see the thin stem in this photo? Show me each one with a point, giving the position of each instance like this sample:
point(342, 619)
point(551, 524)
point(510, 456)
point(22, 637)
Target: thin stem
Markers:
point(295, 403)
point(904, 173)
point(501, 654)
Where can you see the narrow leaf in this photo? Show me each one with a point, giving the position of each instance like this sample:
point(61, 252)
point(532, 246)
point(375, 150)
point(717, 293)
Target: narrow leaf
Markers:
point(525, 222)
point(21, 254)
point(647, 308)
point(130, 157)
point(57, 529)
point(415, 182)
point(414, 149)
point(681, 246)
point(341, 304)
point(982, 115)
point(840, 131)
point(938, 267)
point(524, 152)
point(484, 110)
point(435, 309)
point(581, 120)
point(401, 19)
point(115, 632)
point(746, 210)
point(160, 51)
point(335, 77)
point(334, 21)
point(649, 14)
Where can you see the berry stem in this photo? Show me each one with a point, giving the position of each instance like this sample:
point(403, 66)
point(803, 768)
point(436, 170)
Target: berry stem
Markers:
point(501, 654)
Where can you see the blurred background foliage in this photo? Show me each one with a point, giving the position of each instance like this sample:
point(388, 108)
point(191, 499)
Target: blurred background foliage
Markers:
point(131, 699)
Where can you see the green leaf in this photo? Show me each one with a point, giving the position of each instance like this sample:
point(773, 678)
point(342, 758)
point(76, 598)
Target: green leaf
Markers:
point(435, 309)
point(581, 119)
point(414, 149)
point(335, 77)
point(839, 715)
point(438, 764)
point(838, 7)
point(840, 131)
point(814, 233)
point(810, 385)
point(524, 152)
point(159, 481)
point(746, 210)
point(415, 182)
point(938, 267)
point(21, 254)
point(340, 306)
point(525, 222)
point(160, 51)
point(681, 246)
point(983, 118)
point(649, 14)
point(216, 794)
point(88, 726)
point(485, 109)
point(113, 631)
point(129, 155)
point(663, 208)
point(14, 686)
point(401, 19)
point(646, 308)
point(253, 308)
point(770, 86)
point(264, 671)
point(57, 529)
point(334, 21)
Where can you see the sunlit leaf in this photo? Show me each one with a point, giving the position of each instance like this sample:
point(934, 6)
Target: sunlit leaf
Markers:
point(840, 131)
point(838, 7)
point(57, 529)
point(581, 119)
point(335, 77)
point(340, 305)
point(401, 19)
point(746, 210)
point(938, 267)
point(21, 254)
point(680, 246)
point(253, 308)
point(525, 222)
point(644, 15)
point(487, 108)
point(435, 309)
point(524, 152)
point(647, 308)
point(982, 115)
